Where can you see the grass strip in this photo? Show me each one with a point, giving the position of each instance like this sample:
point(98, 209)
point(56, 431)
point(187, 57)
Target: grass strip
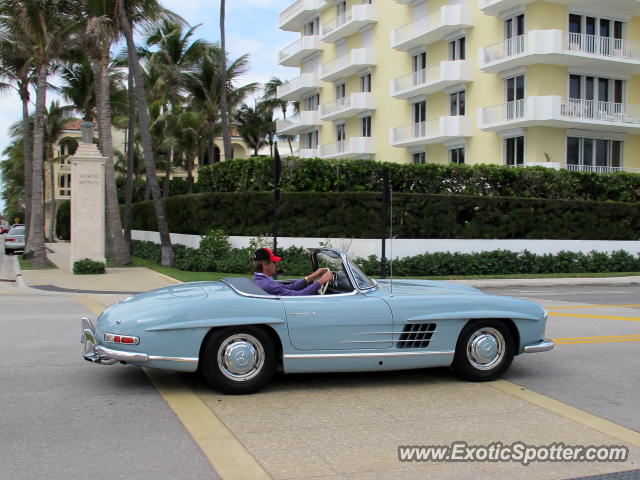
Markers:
point(28, 265)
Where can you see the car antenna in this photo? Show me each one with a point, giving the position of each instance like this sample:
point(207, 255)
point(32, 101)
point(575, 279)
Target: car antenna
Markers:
point(390, 241)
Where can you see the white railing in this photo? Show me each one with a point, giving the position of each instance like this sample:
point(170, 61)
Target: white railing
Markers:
point(296, 46)
point(330, 149)
point(414, 79)
point(416, 131)
point(296, 8)
point(504, 112)
point(336, 23)
point(597, 168)
point(419, 27)
point(506, 48)
point(335, 106)
point(606, 46)
point(304, 80)
point(603, 111)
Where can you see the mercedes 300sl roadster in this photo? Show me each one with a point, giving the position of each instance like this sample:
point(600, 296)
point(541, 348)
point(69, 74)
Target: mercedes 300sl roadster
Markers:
point(238, 335)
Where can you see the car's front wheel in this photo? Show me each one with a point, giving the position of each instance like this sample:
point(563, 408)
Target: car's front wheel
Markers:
point(484, 351)
point(238, 360)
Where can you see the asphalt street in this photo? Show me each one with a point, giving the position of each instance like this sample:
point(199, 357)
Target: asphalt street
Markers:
point(603, 377)
point(64, 418)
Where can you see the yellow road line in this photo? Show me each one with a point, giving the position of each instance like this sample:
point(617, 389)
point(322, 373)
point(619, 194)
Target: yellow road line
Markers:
point(223, 450)
point(612, 429)
point(605, 317)
point(590, 306)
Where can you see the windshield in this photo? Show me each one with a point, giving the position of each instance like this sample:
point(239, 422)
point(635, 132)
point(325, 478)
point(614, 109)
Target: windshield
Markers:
point(16, 231)
point(362, 280)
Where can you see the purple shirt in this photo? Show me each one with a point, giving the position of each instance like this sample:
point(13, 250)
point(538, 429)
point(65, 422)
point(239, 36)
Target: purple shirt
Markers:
point(299, 287)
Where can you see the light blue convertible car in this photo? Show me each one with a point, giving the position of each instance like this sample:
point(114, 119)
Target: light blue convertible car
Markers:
point(239, 336)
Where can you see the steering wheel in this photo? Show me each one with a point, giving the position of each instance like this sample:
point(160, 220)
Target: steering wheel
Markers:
point(323, 289)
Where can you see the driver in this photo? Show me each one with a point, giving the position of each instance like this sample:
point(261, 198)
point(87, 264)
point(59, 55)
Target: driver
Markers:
point(264, 267)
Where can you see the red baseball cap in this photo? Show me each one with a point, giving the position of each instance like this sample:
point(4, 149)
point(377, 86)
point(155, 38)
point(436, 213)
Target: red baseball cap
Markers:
point(264, 254)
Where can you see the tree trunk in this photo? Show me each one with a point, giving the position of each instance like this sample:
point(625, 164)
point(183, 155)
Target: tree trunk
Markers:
point(143, 117)
point(224, 109)
point(131, 151)
point(27, 152)
point(116, 247)
point(35, 248)
point(167, 176)
point(52, 193)
point(189, 162)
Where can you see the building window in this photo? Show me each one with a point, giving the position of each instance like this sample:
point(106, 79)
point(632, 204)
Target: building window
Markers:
point(419, 157)
point(312, 27)
point(514, 97)
point(456, 155)
point(312, 102)
point(366, 126)
point(514, 151)
point(341, 11)
point(64, 184)
point(586, 87)
point(341, 132)
point(457, 49)
point(341, 90)
point(310, 140)
point(456, 103)
point(365, 83)
point(514, 35)
point(419, 68)
point(593, 154)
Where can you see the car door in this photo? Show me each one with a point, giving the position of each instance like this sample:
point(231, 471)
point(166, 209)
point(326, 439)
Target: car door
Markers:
point(338, 322)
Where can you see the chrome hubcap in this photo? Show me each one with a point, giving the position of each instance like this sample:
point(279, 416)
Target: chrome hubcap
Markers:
point(240, 357)
point(486, 348)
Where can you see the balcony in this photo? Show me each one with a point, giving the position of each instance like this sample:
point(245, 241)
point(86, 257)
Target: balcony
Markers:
point(433, 131)
point(348, 23)
point(297, 123)
point(348, 106)
point(348, 65)
point(433, 79)
point(355, 147)
point(309, 153)
point(293, 17)
point(294, 89)
point(554, 111)
point(292, 55)
point(625, 8)
point(432, 28)
point(556, 47)
point(598, 168)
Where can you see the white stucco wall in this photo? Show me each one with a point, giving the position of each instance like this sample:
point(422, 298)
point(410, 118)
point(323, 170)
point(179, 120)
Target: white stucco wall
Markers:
point(359, 247)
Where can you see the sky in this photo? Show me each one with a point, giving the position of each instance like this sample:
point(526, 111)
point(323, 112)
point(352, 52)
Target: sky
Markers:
point(251, 27)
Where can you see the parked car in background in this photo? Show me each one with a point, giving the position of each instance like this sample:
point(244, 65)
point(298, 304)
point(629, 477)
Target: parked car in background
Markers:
point(3, 229)
point(14, 241)
point(238, 335)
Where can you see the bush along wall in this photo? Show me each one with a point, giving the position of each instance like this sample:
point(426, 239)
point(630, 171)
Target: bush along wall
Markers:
point(295, 262)
point(302, 175)
point(63, 220)
point(357, 215)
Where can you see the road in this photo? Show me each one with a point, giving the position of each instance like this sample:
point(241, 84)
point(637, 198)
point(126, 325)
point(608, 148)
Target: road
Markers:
point(599, 374)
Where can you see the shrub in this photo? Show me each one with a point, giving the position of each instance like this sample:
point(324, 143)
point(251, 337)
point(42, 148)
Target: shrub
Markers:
point(63, 220)
point(88, 267)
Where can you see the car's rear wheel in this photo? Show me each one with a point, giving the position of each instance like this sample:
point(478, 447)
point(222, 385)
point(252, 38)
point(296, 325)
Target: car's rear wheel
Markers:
point(238, 360)
point(484, 350)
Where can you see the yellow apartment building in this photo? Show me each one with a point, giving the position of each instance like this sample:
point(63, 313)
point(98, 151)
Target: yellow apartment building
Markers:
point(512, 82)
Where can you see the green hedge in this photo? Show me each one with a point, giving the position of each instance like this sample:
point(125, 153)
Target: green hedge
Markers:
point(302, 175)
point(295, 262)
point(357, 215)
point(63, 220)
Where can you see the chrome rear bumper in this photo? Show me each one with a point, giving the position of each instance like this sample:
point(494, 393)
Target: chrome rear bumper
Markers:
point(541, 346)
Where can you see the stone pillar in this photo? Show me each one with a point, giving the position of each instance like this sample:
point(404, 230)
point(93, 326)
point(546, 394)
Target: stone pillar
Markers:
point(87, 200)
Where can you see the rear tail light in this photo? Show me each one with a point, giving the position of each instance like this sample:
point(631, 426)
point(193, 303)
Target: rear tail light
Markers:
point(113, 338)
point(9, 240)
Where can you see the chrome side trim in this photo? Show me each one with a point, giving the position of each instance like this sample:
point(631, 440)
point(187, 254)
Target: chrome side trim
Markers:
point(390, 333)
point(385, 340)
point(541, 346)
point(137, 357)
point(309, 356)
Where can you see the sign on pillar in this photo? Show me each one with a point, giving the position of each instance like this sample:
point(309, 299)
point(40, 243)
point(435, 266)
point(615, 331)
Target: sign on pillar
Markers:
point(87, 200)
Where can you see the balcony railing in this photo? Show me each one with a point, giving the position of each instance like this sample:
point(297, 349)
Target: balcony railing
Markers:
point(301, 47)
point(415, 131)
point(348, 22)
point(348, 106)
point(298, 122)
point(600, 111)
point(598, 168)
point(596, 45)
point(306, 81)
point(504, 112)
point(348, 64)
point(432, 27)
point(506, 48)
point(291, 18)
point(355, 146)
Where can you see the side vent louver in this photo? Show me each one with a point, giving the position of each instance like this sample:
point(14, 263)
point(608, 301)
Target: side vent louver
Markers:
point(416, 335)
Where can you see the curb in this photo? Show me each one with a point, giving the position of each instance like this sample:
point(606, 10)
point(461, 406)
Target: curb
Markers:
point(533, 282)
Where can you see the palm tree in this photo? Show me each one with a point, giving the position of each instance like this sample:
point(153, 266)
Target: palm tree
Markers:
point(45, 28)
point(254, 125)
point(143, 118)
point(12, 174)
point(188, 132)
point(270, 96)
point(224, 109)
point(79, 88)
point(16, 67)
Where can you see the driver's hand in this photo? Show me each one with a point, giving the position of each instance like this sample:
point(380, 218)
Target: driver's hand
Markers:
point(318, 273)
point(326, 277)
